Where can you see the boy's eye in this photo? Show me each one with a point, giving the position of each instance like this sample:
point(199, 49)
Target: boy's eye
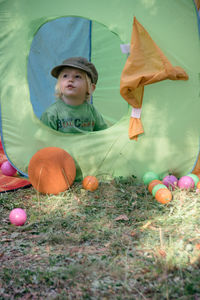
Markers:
point(65, 75)
point(78, 76)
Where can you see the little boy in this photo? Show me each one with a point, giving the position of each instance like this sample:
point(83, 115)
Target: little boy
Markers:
point(77, 78)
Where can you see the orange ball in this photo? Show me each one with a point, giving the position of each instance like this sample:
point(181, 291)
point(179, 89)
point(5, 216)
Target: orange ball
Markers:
point(51, 170)
point(163, 196)
point(90, 183)
point(153, 183)
point(198, 185)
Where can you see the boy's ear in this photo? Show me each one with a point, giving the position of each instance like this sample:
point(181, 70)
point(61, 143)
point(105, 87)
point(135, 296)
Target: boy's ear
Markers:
point(93, 87)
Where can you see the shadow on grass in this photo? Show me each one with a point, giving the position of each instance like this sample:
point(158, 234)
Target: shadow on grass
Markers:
point(114, 243)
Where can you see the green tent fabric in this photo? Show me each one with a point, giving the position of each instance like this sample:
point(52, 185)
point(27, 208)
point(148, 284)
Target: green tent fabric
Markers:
point(170, 111)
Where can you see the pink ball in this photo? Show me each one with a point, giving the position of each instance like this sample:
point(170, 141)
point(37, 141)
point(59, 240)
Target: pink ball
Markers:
point(170, 181)
point(7, 169)
point(186, 182)
point(17, 216)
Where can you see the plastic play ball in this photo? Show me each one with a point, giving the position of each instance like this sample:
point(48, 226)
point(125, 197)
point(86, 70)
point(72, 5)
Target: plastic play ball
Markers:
point(158, 187)
point(149, 176)
point(163, 196)
point(152, 184)
point(186, 182)
point(90, 183)
point(195, 178)
point(170, 181)
point(17, 216)
point(198, 185)
point(51, 170)
point(7, 169)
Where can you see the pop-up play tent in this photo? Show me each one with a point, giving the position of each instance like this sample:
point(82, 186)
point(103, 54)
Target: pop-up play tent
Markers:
point(150, 97)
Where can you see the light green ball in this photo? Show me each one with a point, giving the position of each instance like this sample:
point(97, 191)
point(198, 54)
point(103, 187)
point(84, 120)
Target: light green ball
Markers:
point(195, 178)
point(158, 187)
point(149, 176)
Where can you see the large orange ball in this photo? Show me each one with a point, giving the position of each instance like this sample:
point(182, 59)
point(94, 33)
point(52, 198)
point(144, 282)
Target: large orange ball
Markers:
point(90, 183)
point(153, 183)
point(51, 170)
point(163, 196)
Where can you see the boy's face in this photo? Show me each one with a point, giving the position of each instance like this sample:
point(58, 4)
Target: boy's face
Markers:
point(73, 84)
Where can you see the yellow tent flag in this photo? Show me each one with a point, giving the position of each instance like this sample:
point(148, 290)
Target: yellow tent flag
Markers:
point(146, 64)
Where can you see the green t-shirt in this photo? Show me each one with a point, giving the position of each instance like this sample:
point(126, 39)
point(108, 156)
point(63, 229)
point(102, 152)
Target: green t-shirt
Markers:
point(75, 119)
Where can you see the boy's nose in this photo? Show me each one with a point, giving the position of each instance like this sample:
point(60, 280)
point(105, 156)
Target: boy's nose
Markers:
point(70, 78)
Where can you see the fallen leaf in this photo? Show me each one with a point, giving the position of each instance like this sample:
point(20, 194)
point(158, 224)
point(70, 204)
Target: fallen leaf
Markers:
point(133, 233)
point(162, 252)
point(146, 225)
point(122, 218)
point(197, 246)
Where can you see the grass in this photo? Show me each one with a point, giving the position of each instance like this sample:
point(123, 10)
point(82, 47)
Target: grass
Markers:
point(115, 243)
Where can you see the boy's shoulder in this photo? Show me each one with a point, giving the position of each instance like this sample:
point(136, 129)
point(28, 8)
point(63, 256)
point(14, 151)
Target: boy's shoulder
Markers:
point(55, 105)
point(89, 105)
point(92, 108)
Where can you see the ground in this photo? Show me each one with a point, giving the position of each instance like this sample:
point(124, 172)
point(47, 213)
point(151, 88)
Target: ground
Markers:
point(117, 242)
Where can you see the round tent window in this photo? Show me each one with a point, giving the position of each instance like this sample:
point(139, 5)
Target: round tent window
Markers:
point(74, 36)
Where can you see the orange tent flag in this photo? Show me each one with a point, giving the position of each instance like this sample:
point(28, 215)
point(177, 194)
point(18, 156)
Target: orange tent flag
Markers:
point(146, 64)
point(196, 169)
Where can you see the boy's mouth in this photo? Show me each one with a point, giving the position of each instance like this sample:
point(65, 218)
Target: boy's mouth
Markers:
point(70, 86)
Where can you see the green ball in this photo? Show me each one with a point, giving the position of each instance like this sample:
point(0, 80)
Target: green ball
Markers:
point(149, 176)
point(158, 187)
point(195, 178)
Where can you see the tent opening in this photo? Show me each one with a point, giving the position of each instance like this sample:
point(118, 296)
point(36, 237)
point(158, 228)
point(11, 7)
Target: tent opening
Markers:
point(75, 36)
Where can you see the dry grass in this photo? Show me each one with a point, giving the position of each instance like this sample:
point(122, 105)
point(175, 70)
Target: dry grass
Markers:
point(115, 243)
